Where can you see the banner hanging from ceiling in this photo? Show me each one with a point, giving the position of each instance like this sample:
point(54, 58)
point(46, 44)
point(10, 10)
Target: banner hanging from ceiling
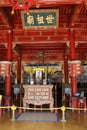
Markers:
point(34, 19)
point(74, 67)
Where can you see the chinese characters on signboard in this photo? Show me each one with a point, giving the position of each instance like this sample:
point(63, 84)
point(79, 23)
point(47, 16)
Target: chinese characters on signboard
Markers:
point(40, 18)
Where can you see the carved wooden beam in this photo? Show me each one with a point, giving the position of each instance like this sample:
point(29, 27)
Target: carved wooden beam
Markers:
point(59, 1)
point(5, 19)
point(75, 14)
point(16, 50)
point(37, 2)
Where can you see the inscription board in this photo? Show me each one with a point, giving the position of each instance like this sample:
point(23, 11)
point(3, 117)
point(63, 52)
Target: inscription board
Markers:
point(40, 18)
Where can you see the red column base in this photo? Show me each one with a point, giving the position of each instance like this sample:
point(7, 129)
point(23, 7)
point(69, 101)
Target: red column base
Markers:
point(56, 111)
point(20, 110)
point(82, 104)
point(1, 111)
point(7, 101)
point(75, 103)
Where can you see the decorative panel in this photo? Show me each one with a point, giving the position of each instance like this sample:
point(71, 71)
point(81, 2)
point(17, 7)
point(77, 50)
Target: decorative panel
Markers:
point(40, 19)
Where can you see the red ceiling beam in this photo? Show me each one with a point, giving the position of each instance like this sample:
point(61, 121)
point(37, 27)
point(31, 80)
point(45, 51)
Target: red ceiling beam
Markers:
point(39, 42)
point(28, 3)
point(59, 1)
point(75, 14)
point(5, 19)
point(30, 33)
point(48, 52)
point(39, 47)
point(41, 38)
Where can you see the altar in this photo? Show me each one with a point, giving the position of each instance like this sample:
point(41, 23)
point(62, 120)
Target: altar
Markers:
point(38, 95)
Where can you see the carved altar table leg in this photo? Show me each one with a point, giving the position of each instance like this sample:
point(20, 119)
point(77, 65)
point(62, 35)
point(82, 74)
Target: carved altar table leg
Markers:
point(24, 105)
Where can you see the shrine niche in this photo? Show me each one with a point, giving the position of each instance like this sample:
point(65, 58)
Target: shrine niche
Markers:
point(39, 74)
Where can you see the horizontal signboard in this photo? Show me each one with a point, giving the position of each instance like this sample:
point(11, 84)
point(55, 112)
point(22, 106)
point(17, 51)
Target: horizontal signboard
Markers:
point(40, 19)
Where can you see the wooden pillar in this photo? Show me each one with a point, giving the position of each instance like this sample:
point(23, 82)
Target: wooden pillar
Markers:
point(8, 81)
point(19, 81)
point(73, 57)
point(66, 67)
point(19, 69)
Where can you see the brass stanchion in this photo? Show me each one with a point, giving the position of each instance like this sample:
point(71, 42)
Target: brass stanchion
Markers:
point(63, 114)
point(13, 108)
point(1, 105)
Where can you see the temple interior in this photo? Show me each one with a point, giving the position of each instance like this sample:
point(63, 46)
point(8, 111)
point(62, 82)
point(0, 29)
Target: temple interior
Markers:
point(43, 55)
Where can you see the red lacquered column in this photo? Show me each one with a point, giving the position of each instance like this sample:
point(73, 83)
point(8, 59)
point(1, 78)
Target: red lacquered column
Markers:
point(66, 67)
point(19, 69)
point(8, 81)
point(73, 57)
point(19, 81)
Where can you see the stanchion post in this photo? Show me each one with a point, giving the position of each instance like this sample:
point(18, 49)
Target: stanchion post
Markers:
point(1, 111)
point(0, 105)
point(13, 108)
point(63, 114)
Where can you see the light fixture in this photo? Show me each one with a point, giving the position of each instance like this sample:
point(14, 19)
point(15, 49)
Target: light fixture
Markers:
point(12, 12)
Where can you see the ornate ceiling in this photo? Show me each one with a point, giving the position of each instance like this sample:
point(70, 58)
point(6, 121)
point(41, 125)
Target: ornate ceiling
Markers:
point(52, 42)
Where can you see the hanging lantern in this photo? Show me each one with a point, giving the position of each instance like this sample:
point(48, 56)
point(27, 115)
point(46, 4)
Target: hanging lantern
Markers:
point(74, 68)
point(5, 68)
